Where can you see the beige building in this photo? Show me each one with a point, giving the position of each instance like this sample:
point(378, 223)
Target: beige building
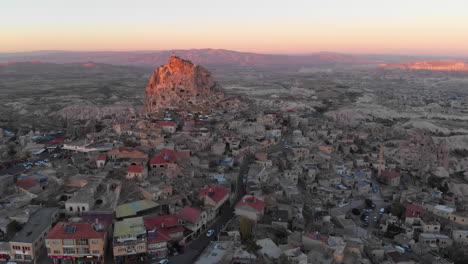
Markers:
point(80, 243)
point(129, 243)
point(250, 207)
point(460, 236)
point(29, 243)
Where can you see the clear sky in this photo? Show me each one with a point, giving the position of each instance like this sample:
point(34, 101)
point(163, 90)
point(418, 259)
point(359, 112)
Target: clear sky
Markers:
point(267, 26)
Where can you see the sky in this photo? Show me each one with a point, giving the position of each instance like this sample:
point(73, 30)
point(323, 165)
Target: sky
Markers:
point(419, 27)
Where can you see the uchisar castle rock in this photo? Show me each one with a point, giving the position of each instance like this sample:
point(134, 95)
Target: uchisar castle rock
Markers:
point(182, 85)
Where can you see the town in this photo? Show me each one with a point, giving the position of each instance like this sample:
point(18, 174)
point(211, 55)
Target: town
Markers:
point(200, 176)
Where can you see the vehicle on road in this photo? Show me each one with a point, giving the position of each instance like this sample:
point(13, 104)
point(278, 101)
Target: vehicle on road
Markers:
point(210, 233)
point(163, 261)
point(381, 211)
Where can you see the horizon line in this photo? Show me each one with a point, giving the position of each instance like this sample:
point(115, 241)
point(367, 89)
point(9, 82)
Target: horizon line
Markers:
point(252, 52)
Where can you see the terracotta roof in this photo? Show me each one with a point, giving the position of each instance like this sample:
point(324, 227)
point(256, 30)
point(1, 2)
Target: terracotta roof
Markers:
point(190, 214)
point(390, 174)
point(27, 183)
point(414, 210)
point(102, 156)
point(165, 156)
point(135, 168)
point(216, 193)
point(252, 202)
point(159, 225)
point(80, 230)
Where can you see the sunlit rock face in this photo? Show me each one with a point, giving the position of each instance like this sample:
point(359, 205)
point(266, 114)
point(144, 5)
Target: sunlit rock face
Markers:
point(431, 65)
point(180, 84)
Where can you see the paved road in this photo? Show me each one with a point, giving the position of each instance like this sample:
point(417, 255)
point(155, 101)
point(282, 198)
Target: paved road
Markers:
point(199, 244)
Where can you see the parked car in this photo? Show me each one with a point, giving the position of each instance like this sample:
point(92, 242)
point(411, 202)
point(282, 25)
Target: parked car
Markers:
point(382, 211)
point(210, 233)
point(163, 261)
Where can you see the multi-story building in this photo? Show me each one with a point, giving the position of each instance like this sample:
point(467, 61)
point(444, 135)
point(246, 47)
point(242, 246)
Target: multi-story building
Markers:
point(29, 243)
point(250, 207)
point(193, 219)
point(214, 197)
point(80, 243)
point(163, 232)
point(129, 243)
point(460, 236)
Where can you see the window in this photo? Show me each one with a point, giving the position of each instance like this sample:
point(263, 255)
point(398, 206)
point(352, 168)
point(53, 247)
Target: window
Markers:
point(71, 209)
point(48, 251)
point(57, 252)
point(94, 241)
point(27, 257)
point(83, 251)
point(25, 248)
point(122, 250)
point(18, 257)
point(55, 242)
point(68, 242)
point(68, 251)
point(96, 252)
point(82, 241)
point(140, 248)
point(16, 247)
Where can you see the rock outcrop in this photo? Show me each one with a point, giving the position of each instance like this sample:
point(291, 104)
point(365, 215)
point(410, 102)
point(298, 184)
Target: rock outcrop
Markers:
point(431, 65)
point(180, 84)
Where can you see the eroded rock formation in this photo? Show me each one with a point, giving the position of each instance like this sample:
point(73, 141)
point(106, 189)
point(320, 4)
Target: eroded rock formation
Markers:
point(180, 84)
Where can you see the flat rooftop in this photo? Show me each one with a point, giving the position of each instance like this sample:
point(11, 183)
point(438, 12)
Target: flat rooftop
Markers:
point(37, 223)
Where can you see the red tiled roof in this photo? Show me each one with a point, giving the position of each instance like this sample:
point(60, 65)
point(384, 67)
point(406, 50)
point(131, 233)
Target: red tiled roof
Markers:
point(190, 214)
point(218, 193)
point(390, 174)
point(161, 124)
point(27, 183)
point(317, 236)
point(135, 168)
point(252, 202)
point(165, 156)
point(102, 156)
point(414, 210)
point(82, 230)
point(159, 225)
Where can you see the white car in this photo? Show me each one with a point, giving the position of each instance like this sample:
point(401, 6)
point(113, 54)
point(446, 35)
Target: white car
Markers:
point(163, 261)
point(210, 233)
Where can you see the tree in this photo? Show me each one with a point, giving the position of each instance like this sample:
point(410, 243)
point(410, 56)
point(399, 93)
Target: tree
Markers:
point(283, 259)
point(11, 150)
point(245, 229)
point(355, 211)
point(397, 209)
point(25, 155)
point(369, 203)
point(252, 246)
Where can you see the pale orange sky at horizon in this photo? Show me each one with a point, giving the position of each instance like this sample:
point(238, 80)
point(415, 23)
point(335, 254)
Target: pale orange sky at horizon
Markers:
point(299, 29)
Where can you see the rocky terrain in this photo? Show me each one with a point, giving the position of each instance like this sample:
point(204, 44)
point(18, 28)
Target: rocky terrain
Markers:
point(431, 65)
point(218, 57)
point(181, 84)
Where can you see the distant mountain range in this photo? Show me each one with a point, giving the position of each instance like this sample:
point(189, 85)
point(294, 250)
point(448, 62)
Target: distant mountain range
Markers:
point(206, 57)
point(199, 56)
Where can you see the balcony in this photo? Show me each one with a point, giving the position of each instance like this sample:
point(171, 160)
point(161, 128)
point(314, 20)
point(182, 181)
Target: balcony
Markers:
point(128, 242)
